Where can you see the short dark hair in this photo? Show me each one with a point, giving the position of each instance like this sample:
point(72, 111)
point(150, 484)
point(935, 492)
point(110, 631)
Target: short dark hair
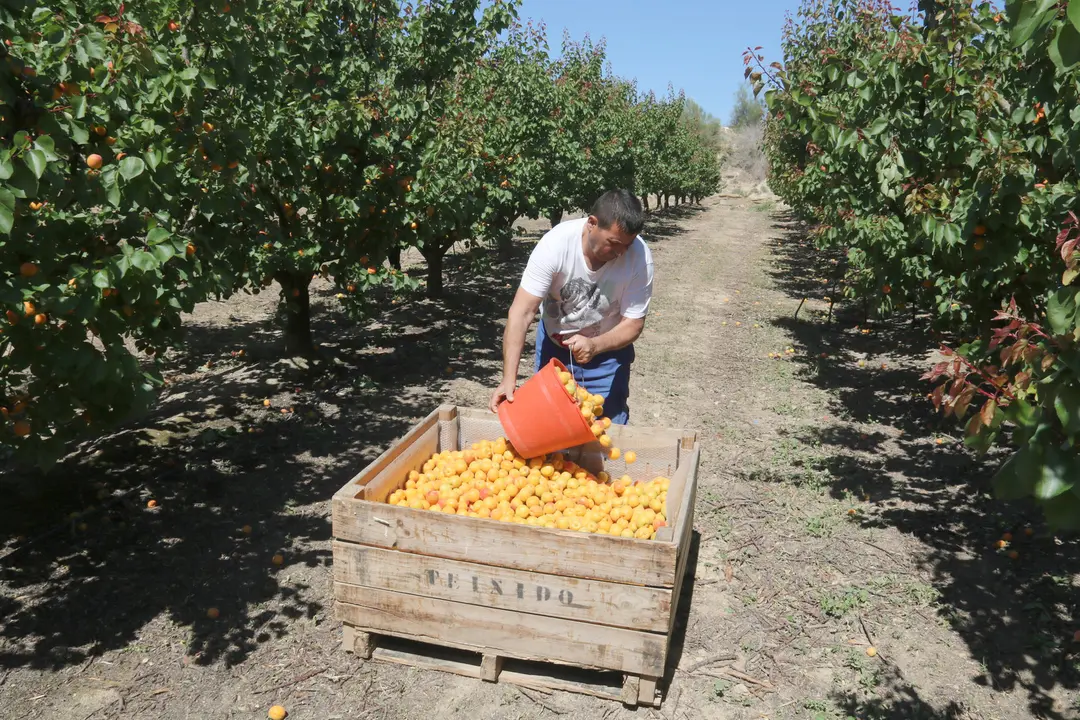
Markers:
point(622, 208)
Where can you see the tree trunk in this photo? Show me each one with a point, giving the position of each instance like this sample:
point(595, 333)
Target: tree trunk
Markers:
point(298, 340)
point(555, 217)
point(434, 272)
point(666, 201)
point(394, 256)
point(503, 230)
point(645, 202)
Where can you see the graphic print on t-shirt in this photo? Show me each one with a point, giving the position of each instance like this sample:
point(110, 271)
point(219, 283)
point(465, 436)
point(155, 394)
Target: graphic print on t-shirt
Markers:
point(581, 304)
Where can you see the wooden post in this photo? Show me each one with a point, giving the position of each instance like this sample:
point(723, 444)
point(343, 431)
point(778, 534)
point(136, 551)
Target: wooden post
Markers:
point(358, 642)
point(631, 690)
point(647, 692)
point(490, 667)
point(449, 414)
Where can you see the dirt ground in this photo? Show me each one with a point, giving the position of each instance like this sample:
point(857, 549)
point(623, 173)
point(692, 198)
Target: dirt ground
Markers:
point(830, 518)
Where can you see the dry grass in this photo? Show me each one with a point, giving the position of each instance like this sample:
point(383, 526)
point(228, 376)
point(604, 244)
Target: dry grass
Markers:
point(744, 155)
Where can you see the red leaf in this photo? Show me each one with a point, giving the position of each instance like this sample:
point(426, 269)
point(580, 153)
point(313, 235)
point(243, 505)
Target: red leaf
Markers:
point(1068, 248)
point(937, 395)
point(989, 408)
point(974, 424)
point(964, 401)
point(1047, 361)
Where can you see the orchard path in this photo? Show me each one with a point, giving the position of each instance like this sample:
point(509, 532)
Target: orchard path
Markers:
point(828, 518)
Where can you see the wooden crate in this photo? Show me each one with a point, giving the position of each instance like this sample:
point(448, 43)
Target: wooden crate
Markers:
point(503, 592)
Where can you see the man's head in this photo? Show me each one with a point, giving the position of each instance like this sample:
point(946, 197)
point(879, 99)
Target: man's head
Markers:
point(615, 221)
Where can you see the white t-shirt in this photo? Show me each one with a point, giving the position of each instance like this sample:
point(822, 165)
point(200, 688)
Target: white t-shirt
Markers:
point(580, 300)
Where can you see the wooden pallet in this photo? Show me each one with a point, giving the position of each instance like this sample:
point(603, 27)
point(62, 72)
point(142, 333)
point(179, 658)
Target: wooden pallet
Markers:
point(502, 591)
point(605, 684)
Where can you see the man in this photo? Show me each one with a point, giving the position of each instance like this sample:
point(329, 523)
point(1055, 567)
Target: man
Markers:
point(593, 276)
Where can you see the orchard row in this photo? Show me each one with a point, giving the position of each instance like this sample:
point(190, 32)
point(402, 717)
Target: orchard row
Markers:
point(172, 150)
point(941, 154)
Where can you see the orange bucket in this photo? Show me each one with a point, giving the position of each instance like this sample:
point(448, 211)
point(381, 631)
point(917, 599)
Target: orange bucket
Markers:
point(543, 418)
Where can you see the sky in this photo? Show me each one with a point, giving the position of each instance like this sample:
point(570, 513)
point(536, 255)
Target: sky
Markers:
point(696, 45)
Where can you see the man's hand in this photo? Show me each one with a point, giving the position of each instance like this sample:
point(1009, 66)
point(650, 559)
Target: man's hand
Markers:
point(505, 392)
point(582, 348)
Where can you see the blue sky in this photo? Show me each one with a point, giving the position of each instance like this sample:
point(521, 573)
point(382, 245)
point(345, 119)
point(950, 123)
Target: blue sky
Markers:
point(696, 45)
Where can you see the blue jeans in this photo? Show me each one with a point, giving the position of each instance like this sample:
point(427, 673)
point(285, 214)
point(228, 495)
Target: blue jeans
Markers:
point(607, 374)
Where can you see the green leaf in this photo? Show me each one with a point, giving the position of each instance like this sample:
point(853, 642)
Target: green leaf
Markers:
point(1058, 473)
point(79, 134)
point(91, 44)
point(157, 235)
point(144, 261)
point(113, 194)
point(78, 106)
point(1064, 49)
point(23, 183)
point(7, 210)
point(6, 167)
point(45, 144)
point(1015, 479)
point(1032, 16)
point(36, 161)
point(1074, 13)
point(1061, 311)
point(877, 127)
point(131, 167)
point(162, 252)
point(208, 80)
point(1067, 406)
point(102, 279)
point(1021, 413)
point(1063, 512)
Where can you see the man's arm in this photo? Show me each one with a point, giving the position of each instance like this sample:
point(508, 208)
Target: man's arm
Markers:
point(520, 316)
point(626, 332)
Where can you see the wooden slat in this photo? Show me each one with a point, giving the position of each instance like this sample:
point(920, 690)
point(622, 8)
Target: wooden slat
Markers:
point(534, 679)
point(631, 689)
point(537, 681)
point(521, 547)
point(355, 486)
point(630, 437)
point(427, 662)
point(685, 528)
point(675, 494)
point(628, 606)
point(393, 476)
point(502, 632)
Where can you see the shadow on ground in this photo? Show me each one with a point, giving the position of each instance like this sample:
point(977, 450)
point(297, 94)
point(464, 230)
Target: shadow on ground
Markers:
point(94, 564)
point(240, 457)
point(1016, 616)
